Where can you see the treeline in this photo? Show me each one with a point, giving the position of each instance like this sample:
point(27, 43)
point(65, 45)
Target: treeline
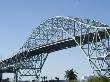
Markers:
point(71, 76)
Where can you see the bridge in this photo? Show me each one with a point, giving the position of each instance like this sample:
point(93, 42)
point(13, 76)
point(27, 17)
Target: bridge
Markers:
point(58, 33)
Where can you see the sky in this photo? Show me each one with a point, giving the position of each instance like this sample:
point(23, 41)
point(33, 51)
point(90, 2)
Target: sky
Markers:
point(19, 17)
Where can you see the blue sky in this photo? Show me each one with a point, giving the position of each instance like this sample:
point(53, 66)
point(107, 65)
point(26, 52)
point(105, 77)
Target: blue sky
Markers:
point(19, 17)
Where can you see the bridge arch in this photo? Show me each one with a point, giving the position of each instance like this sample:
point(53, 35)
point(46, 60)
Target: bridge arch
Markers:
point(59, 33)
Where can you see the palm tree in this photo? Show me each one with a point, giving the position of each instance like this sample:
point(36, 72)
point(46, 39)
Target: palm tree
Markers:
point(57, 78)
point(71, 75)
point(42, 78)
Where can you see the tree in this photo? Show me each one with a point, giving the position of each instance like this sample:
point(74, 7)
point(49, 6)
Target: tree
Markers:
point(44, 78)
point(71, 75)
point(57, 78)
point(99, 78)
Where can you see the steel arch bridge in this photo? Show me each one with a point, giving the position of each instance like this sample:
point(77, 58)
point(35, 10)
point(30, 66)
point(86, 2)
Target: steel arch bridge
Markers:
point(59, 33)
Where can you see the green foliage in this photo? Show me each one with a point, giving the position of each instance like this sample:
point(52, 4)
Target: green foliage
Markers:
point(71, 75)
point(99, 78)
point(73, 81)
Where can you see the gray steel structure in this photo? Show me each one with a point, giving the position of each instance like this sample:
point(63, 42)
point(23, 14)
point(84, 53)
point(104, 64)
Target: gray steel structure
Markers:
point(59, 33)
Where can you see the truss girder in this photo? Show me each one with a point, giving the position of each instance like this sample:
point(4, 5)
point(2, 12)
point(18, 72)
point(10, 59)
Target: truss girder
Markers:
point(58, 33)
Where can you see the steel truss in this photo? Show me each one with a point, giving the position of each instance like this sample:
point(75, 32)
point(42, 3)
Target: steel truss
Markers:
point(58, 33)
point(31, 67)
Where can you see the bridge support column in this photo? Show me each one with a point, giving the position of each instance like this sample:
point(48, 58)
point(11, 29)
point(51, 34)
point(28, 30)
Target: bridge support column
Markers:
point(0, 76)
point(16, 76)
point(31, 67)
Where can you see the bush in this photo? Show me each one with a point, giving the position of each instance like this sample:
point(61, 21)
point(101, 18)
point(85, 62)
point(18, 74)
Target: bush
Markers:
point(73, 81)
point(99, 78)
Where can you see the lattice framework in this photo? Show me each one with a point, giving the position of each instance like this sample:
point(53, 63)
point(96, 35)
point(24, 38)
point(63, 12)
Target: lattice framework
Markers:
point(58, 33)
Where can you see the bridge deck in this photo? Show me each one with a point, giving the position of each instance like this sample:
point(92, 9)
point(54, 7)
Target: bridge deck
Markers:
point(55, 46)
